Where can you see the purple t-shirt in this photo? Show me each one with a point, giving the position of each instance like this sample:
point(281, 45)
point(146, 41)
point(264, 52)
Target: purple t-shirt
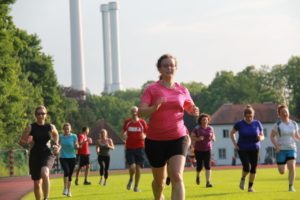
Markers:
point(248, 134)
point(207, 133)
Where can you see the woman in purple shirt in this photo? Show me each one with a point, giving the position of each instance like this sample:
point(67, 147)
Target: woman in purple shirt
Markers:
point(248, 145)
point(202, 137)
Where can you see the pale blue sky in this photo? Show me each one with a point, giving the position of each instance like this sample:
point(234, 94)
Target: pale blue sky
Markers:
point(206, 36)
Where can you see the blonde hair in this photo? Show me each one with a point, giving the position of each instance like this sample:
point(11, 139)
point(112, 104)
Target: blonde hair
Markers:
point(40, 107)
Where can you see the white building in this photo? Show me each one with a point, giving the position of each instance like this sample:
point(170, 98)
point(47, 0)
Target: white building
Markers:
point(223, 120)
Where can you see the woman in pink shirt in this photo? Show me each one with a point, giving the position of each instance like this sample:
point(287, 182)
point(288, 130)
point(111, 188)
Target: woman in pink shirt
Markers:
point(166, 140)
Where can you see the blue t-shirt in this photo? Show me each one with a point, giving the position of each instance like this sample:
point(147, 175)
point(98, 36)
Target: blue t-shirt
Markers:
point(67, 145)
point(248, 134)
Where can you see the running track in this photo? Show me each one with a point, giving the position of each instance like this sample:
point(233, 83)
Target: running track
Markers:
point(14, 188)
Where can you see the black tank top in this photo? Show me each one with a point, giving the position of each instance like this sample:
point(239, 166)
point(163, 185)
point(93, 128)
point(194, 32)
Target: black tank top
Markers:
point(41, 136)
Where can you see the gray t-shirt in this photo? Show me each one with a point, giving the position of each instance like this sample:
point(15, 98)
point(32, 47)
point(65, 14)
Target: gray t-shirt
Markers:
point(285, 138)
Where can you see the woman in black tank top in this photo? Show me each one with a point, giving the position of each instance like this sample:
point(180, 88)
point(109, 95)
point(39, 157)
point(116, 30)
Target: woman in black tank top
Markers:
point(41, 159)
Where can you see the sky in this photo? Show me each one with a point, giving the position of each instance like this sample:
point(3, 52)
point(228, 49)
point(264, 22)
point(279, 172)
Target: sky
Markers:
point(206, 36)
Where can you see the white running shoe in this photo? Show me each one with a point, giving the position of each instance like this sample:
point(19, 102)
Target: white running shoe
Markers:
point(292, 189)
point(65, 192)
point(242, 184)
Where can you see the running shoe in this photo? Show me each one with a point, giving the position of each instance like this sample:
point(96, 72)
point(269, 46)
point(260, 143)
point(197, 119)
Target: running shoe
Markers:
point(101, 181)
point(65, 192)
point(251, 189)
point(208, 185)
point(136, 189)
point(198, 180)
point(292, 189)
point(87, 183)
point(242, 184)
point(105, 184)
point(129, 184)
point(69, 194)
point(168, 181)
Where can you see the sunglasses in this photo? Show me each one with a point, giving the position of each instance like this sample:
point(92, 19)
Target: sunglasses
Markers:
point(40, 113)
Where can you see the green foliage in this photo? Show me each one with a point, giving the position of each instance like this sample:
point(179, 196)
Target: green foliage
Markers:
point(292, 76)
point(27, 79)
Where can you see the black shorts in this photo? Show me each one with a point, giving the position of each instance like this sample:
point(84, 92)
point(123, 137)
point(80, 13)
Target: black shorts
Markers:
point(135, 156)
point(38, 160)
point(83, 160)
point(159, 152)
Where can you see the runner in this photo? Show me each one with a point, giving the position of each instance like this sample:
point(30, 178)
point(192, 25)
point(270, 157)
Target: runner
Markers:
point(134, 130)
point(69, 144)
point(283, 135)
point(41, 159)
point(104, 145)
point(84, 154)
point(202, 137)
point(248, 145)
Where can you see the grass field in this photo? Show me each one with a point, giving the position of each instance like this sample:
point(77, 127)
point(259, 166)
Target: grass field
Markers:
point(269, 185)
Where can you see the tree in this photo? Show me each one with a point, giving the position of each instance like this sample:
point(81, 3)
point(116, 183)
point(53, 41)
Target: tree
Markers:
point(292, 75)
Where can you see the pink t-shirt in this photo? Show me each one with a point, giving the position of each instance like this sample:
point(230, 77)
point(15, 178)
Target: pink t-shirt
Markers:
point(167, 122)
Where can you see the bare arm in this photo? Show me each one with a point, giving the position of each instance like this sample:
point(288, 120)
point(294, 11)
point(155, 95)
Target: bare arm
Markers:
point(274, 140)
point(25, 136)
point(213, 138)
point(97, 147)
point(125, 135)
point(233, 139)
point(55, 135)
point(296, 136)
point(261, 136)
point(55, 138)
point(111, 144)
point(195, 138)
point(193, 110)
point(146, 110)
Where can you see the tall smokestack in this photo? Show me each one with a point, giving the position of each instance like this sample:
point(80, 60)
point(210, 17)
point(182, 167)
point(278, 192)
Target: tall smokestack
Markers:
point(77, 59)
point(115, 52)
point(106, 48)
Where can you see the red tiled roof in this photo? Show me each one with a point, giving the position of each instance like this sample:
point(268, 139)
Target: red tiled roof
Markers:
point(230, 113)
point(100, 124)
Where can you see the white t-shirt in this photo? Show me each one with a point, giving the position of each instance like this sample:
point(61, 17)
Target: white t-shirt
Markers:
point(285, 137)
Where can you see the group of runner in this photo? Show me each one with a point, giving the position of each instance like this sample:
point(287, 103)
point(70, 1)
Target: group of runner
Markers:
point(166, 141)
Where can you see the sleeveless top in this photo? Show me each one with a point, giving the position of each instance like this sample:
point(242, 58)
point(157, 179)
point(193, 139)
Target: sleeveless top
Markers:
point(41, 136)
point(104, 150)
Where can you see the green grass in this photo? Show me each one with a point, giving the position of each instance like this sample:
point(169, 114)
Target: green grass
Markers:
point(268, 185)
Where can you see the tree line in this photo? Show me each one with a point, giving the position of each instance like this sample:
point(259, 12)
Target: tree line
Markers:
point(27, 79)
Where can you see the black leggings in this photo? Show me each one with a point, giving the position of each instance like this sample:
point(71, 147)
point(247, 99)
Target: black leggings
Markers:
point(104, 165)
point(249, 160)
point(68, 165)
point(203, 157)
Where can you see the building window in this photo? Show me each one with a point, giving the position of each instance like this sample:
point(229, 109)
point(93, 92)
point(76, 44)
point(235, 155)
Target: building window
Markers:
point(265, 132)
point(222, 153)
point(225, 133)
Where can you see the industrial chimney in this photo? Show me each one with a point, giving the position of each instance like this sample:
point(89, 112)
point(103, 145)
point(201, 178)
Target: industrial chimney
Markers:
point(77, 58)
point(111, 50)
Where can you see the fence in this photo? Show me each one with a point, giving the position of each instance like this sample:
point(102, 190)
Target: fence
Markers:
point(13, 162)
